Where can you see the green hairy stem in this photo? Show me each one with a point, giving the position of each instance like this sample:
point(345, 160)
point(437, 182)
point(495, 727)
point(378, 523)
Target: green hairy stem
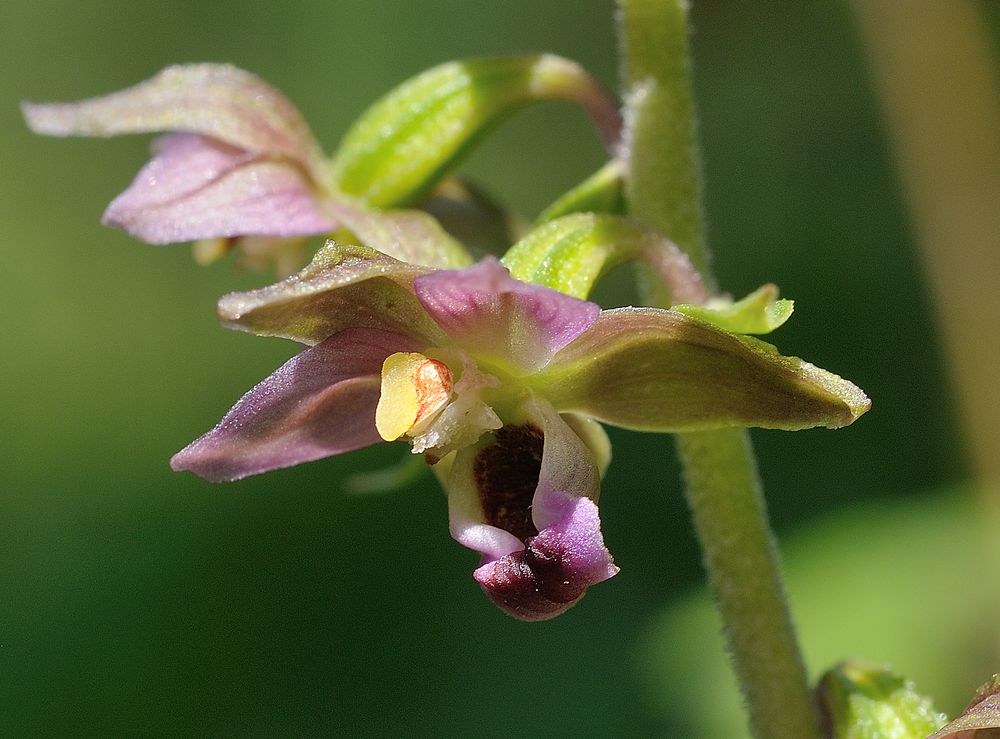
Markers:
point(663, 189)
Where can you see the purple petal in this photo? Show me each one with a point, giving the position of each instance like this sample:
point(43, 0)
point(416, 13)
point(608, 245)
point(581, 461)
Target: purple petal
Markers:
point(319, 403)
point(554, 569)
point(524, 497)
point(197, 188)
point(518, 325)
point(215, 100)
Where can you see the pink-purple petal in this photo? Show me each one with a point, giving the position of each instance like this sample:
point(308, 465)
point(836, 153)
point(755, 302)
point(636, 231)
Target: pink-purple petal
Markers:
point(215, 100)
point(519, 326)
point(525, 498)
point(554, 569)
point(196, 188)
point(319, 403)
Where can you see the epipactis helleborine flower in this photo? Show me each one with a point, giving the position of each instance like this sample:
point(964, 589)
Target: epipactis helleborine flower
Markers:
point(497, 382)
point(239, 164)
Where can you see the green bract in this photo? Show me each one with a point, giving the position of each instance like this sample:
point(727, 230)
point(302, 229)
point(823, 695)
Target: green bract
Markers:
point(400, 146)
point(864, 701)
point(572, 253)
point(760, 312)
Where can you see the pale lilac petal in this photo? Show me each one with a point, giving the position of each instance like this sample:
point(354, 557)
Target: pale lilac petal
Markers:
point(215, 100)
point(319, 403)
point(184, 163)
point(525, 498)
point(343, 287)
point(515, 324)
point(196, 188)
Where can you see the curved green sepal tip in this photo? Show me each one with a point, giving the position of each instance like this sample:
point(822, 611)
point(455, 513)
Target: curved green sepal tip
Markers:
point(572, 253)
point(602, 192)
point(407, 140)
point(760, 312)
point(865, 701)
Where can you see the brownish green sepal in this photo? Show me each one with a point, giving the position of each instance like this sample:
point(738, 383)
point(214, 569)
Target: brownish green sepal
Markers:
point(602, 192)
point(980, 720)
point(865, 701)
point(657, 370)
point(404, 143)
point(760, 312)
point(572, 253)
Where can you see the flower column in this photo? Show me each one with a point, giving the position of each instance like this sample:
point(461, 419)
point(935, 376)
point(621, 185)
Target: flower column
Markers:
point(723, 489)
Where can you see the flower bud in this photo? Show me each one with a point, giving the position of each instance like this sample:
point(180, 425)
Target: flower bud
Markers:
point(864, 700)
point(400, 147)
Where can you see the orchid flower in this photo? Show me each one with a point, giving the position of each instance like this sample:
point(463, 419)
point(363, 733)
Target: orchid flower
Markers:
point(499, 384)
point(239, 165)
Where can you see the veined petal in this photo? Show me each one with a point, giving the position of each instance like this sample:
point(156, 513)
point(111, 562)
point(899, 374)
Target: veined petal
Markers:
point(319, 403)
point(525, 498)
point(214, 100)
point(343, 287)
point(657, 370)
point(513, 324)
point(198, 188)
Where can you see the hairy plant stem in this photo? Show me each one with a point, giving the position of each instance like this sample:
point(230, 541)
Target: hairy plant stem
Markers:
point(722, 485)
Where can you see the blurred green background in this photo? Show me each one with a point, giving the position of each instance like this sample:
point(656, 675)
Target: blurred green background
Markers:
point(135, 601)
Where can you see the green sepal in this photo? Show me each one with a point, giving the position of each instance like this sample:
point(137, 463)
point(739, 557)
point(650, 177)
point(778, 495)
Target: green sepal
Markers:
point(407, 140)
point(865, 701)
point(648, 369)
point(760, 312)
point(602, 192)
point(572, 253)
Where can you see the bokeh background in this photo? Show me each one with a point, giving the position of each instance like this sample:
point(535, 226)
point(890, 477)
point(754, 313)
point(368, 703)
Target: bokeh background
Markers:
point(135, 601)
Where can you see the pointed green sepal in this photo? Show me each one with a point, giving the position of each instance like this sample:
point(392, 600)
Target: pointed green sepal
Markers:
point(760, 312)
point(864, 701)
point(657, 370)
point(602, 192)
point(570, 254)
point(407, 140)
point(980, 720)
